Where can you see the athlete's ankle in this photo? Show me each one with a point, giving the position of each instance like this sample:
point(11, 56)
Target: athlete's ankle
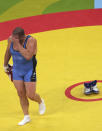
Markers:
point(27, 115)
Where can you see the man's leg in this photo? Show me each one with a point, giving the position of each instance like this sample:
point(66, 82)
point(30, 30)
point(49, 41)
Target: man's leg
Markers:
point(31, 93)
point(19, 85)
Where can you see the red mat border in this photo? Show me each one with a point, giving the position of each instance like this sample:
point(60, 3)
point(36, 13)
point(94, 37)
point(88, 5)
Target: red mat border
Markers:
point(53, 21)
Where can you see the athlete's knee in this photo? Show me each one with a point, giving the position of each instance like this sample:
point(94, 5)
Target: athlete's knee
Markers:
point(21, 93)
point(31, 96)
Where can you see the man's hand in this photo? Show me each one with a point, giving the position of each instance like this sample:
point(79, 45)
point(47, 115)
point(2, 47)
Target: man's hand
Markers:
point(8, 71)
point(8, 68)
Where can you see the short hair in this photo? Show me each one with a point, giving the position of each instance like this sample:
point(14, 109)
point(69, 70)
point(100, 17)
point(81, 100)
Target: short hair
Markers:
point(18, 31)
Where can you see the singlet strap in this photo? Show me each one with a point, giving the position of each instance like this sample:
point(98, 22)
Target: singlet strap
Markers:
point(26, 41)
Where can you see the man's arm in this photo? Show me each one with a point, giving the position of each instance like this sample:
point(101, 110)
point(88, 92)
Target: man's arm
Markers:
point(30, 49)
point(7, 53)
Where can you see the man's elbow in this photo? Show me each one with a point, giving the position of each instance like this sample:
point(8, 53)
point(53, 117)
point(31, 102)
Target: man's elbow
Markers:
point(28, 57)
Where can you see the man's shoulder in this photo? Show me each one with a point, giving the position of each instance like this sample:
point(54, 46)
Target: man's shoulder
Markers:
point(32, 39)
point(10, 39)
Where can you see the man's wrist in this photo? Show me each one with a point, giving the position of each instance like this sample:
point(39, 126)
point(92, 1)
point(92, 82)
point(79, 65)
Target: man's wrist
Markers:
point(6, 68)
point(5, 65)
